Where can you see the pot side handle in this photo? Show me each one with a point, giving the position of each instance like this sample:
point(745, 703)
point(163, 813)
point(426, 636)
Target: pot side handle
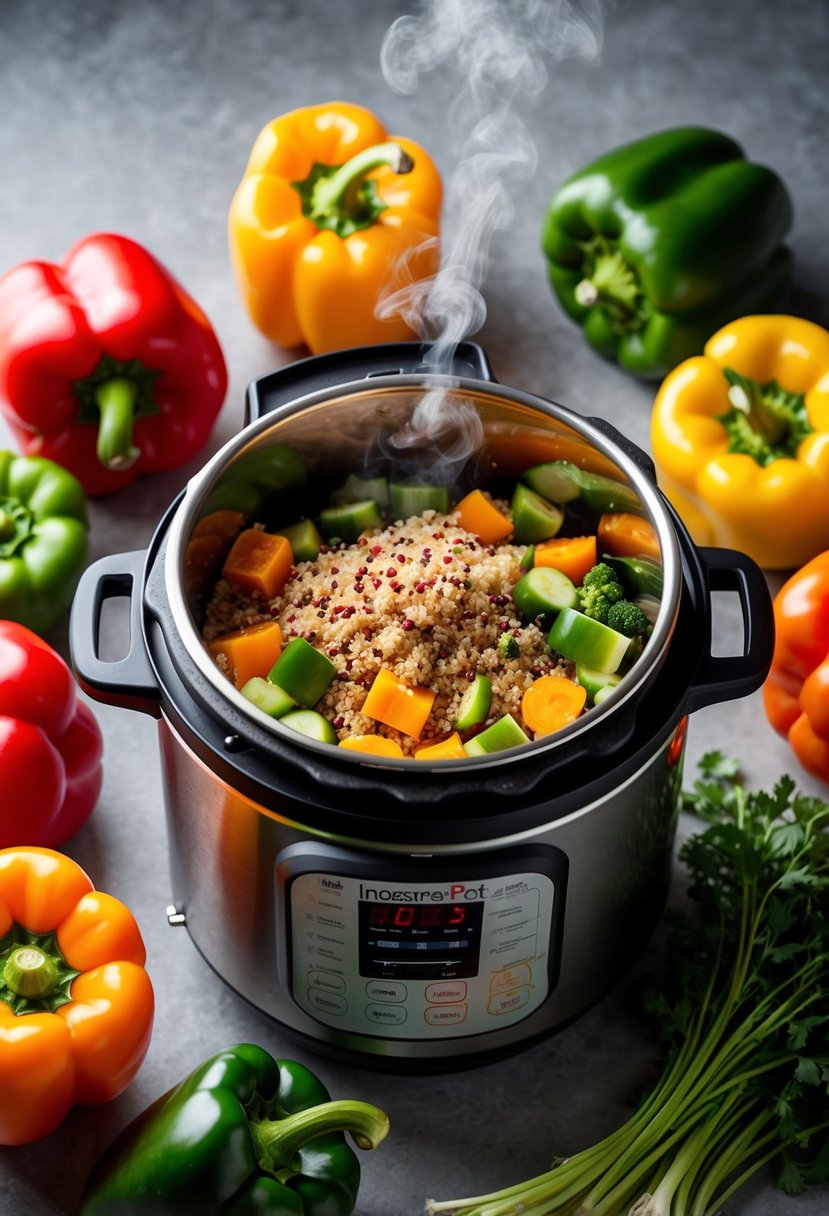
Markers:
point(724, 678)
point(129, 681)
point(358, 363)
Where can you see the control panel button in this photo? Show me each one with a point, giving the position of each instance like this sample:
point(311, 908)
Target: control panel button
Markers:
point(507, 1002)
point(386, 1015)
point(445, 1015)
point(511, 977)
point(379, 990)
point(322, 979)
point(450, 992)
point(327, 1002)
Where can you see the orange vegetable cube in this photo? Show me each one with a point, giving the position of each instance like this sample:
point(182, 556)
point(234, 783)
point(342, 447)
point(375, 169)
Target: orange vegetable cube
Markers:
point(259, 562)
point(396, 703)
point(481, 518)
point(551, 703)
point(373, 745)
point(572, 555)
point(448, 749)
point(250, 652)
point(623, 534)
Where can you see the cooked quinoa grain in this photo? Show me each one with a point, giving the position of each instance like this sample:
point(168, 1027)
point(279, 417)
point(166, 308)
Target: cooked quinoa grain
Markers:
point(423, 599)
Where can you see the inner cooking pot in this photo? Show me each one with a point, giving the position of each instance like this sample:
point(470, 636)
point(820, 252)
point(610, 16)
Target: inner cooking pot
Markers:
point(433, 912)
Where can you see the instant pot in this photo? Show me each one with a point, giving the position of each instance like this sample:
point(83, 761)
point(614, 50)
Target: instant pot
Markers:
point(413, 913)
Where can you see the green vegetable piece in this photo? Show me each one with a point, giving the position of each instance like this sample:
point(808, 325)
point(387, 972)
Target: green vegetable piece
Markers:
point(533, 517)
point(257, 477)
point(42, 540)
point(599, 590)
point(594, 682)
point(543, 591)
point(562, 481)
point(508, 646)
point(348, 521)
point(303, 672)
point(640, 575)
point(580, 638)
point(503, 734)
point(655, 246)
point(602, 694)
point(358, 489)
point(475, 703)
point(629, 619)
point(528, 558)
point(305, 539)
point(268, 697)
point(243, 1133)
point(308, 722)
point(407, 498)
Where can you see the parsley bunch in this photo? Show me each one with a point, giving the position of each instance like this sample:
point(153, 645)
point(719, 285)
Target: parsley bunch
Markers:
point(743, 1016)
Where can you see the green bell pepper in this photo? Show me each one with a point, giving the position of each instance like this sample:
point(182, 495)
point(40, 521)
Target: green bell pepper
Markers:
point(42, 539)
point(655, 246)
point(243, 1135)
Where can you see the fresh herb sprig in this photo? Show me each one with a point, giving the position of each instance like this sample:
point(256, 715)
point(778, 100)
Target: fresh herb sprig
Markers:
point(743, 1017)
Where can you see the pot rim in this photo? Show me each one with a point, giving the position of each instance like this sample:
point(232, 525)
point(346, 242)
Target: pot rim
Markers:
point(200, 485)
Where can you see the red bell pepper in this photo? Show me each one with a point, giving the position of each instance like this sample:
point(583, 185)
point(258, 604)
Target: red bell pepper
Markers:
point(107, 365)
point(50, 744)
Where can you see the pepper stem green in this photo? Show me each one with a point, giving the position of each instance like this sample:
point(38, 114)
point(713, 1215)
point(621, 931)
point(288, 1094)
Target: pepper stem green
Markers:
point(7, 525)
point(277, 1141)
point(116, 402)
point(30, 972)
point(340, 193)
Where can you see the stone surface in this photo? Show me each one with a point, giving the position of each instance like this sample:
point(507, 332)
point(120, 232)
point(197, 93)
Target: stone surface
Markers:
point(139, 118)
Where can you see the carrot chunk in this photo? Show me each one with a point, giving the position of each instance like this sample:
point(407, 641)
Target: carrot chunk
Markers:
point(448, 749)
point(572, 555)
point(373, 745)
point(551, 703)
point(481, 518)
point(259, 562)
point(398, 704)
point(250, 652)
point(623, 534)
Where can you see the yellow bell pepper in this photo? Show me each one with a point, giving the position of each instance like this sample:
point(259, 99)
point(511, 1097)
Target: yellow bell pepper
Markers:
point(331, 216)
point(740, 437)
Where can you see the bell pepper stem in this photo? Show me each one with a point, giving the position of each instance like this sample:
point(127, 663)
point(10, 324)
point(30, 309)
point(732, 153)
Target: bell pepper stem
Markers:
point(277, 1141)
point(339, 194)
point(116, 402)
point(610, 283)
point(30, 972)
point(747, 396)
point(7, 525)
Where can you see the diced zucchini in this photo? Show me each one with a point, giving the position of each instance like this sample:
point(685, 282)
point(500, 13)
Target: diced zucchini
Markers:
point(562, 481)
point(501, 735)
point(544, 591)
point(303, 672)
point(603, 694)
point(268, 697)
point(593, 681)
point(347, 521)
point(533, 517)
point(309, 722)
point(640, 575)
point(528, 560)
point(304, 538)
point(508, 646)
point(583, 640)
point(358, 489)
point(475, 703)
point(407, 498)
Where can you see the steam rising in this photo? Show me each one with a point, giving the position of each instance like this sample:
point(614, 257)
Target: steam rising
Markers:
point(499, 50)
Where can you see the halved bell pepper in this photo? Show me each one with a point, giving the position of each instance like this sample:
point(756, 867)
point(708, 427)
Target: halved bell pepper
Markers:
point(76, 1005)
point(42, 539)
point(656, 245)
point(107, 365)
point(50, 744)
point(243, 1135)
point(796, 693)
point(740, 437)
point(328, 209)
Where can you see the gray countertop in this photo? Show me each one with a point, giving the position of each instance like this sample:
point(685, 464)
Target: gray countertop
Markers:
point(138, 118)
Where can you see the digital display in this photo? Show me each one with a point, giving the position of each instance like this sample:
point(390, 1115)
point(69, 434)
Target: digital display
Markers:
point(422, 941)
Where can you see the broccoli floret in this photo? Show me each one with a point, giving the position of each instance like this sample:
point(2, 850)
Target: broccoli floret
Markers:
point(599, 590)
point(629, 619)
point(508, 646)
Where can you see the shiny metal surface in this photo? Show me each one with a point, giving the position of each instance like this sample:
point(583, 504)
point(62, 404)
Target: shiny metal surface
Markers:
point(224, 851)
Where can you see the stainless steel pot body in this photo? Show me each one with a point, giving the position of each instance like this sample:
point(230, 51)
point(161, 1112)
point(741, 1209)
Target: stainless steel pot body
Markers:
point(412, 912)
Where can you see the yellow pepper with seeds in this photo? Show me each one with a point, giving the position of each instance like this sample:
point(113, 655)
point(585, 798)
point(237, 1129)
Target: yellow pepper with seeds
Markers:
point(740, 437)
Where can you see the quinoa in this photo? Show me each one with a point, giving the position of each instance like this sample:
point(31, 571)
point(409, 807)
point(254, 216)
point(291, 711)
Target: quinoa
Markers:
point(423, 599)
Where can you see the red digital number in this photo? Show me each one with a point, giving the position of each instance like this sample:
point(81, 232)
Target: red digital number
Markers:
point(457, 916)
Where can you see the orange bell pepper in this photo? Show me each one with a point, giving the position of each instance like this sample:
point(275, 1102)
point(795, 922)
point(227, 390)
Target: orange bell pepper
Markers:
point(259, 562)
point(482, 518)
point(396, 703)
point(572, 555)
point(327, 208)
point(76, 1005)
point(740, 438)
point(250, 652)
point(796, 693)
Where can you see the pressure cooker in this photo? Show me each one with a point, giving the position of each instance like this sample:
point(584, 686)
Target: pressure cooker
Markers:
point(406, 913)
